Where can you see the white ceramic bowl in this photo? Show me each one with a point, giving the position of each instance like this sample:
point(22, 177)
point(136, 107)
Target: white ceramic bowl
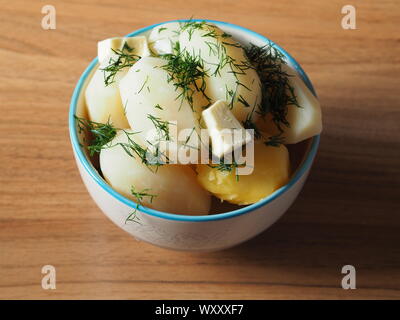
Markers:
point(184, 232)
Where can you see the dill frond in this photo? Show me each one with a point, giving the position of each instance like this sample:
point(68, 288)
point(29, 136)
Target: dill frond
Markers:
point(102, 133)
point(123, 59)
point(277, 93)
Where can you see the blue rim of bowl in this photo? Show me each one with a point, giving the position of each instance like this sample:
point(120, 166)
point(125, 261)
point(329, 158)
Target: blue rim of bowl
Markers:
point(178, 217)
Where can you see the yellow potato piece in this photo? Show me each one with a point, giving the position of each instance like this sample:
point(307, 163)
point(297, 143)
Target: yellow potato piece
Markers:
point(271, 171)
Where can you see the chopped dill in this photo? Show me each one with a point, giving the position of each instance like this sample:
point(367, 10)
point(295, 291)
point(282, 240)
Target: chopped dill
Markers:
point(226, 35)
point(144, 83)
point(185, 144)
point(102, 133)
point(161, 126)
point(232, 44)
point(223, 58)
point(190, 26)
point(162, 29)
point(157, 106)
point(133, 149)
point(243, 101)
point(211, 33)
point(123, 59)
point(227, 167)
point(187, 74)
point(139, 196)
point(125, 105)
point(277, 93)
point(250, 124)
point(244, 86)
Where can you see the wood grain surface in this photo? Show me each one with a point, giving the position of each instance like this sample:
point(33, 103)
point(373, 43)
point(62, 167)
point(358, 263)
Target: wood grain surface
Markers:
point(348, 212)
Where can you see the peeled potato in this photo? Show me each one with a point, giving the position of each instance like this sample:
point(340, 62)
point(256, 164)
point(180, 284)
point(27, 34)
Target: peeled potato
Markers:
point(175, 187)
point(305, 122)
point(232, 82)
point(146, 91)
point(271, 171)
point(163, 38)
point(104, 102)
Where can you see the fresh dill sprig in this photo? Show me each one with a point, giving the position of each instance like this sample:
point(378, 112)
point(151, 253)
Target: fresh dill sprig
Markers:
point(187, 74)
point(250, 124)
point(148, 157)
point(102, 133)
point(139, 196)
point(188, 137)
point(277, 93)
point(222, 58)
point(144, 83)
point(224, 166)
point(161, 126)
point(243, 101)
point(227, 166)
point(123, 59)
point(190, 26)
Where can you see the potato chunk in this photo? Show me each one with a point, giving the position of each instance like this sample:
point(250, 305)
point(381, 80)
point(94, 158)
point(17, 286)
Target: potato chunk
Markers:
point(174, 187)
point(271, 171)
point(305, 121)
point(104, 101)
point(162, 38)
point(152, 100)
point(230, 78)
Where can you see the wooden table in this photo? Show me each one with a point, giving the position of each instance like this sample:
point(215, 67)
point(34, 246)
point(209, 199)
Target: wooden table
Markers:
point(348, 212)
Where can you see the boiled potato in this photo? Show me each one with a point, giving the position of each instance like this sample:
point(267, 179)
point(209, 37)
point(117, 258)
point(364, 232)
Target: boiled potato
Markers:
point(163, 38)
point(104, 101)
point(230, 78)
point(175, 187)
point(271, 171)
point(305, 122)
point(147, 93)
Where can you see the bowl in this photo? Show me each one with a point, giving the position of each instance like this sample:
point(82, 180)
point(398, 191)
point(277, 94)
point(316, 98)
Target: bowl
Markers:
point(184, 232)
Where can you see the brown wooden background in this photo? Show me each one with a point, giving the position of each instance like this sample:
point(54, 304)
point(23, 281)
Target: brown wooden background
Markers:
point(348, 212)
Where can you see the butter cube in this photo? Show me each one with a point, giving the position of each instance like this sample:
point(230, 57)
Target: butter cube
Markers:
point(226, 132)
point(105, 48)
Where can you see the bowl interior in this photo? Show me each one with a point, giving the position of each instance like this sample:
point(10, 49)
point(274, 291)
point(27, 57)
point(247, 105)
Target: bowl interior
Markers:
point(301, 154)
